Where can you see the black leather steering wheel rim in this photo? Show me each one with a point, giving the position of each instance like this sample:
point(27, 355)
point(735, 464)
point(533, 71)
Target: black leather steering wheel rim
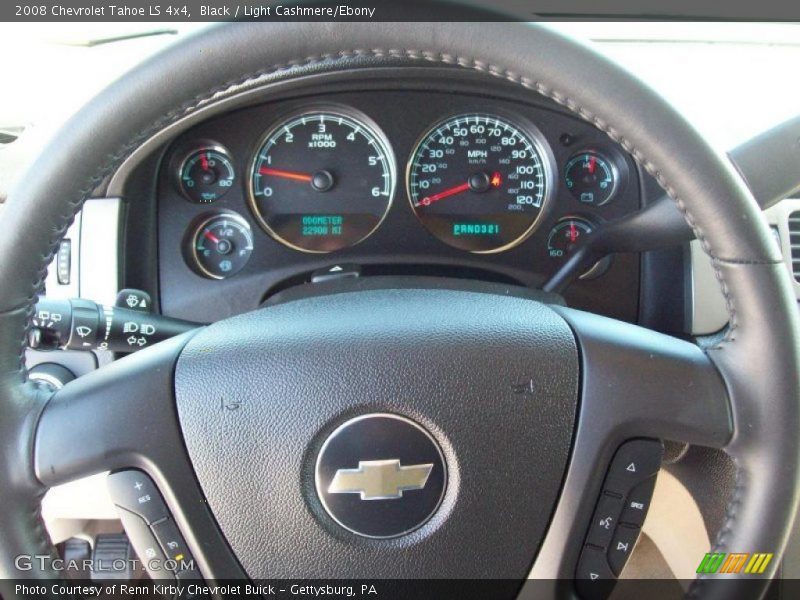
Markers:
point(758, 357)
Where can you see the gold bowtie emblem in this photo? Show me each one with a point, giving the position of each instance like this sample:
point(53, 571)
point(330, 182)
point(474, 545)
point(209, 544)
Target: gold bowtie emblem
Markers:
point(380, 479)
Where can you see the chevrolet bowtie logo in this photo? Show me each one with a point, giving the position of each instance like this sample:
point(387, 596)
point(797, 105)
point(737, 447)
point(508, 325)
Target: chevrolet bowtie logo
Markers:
point(380, 479)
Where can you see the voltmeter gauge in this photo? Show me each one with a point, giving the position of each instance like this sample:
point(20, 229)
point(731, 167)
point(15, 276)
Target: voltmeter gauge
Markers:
point(565, 236)
point(221, 245)
point(591, 177)
point(206, 175)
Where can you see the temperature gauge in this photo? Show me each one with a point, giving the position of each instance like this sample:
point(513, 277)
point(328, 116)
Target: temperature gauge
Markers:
point(591, 177)
point(206, 175)
point(564, 238)
point(221, 245)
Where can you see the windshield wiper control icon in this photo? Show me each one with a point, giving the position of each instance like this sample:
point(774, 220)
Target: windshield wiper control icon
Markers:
point(380, 479)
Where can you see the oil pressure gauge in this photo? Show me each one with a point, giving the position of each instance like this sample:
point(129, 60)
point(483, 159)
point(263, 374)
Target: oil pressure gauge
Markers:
point(206, 175)
point(221, 245)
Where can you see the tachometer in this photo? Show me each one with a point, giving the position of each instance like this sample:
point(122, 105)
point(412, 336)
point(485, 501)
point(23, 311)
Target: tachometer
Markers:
point(480, 182)
point(322, 180)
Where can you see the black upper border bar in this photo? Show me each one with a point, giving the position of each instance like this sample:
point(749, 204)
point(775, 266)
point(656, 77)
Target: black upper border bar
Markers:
point(396, 10)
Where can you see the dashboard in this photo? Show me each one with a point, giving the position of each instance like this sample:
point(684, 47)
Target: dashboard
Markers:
point(149, 217)
point(413, 172)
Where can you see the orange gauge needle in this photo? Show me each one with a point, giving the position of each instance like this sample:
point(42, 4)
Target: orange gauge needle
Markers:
point(427, 200)
point(285, 174)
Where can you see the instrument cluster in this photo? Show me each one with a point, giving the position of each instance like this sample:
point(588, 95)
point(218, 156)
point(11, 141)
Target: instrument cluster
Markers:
point(324, 179)
point(421, 178)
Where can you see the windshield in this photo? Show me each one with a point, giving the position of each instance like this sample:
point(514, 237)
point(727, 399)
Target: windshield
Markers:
point(732, 80)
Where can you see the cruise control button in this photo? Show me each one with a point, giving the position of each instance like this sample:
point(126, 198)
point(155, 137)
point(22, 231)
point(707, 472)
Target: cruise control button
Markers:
point(172, 543)
point(638, 502)
point(145, 545)
point(594, 578)
point(621, 547)
point(604, 521)
point(136, 492)
point(634, 462)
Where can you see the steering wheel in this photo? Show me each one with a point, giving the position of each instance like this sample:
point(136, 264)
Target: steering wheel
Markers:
point(526, 401)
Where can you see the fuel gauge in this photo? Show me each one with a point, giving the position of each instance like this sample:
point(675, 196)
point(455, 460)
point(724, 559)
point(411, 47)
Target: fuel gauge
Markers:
point(221, 245)
point(565, 236)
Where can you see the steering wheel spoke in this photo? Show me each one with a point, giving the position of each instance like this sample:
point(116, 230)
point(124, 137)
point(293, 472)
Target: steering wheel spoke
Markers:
point(636, 383)
point(639, 383)
point(123, 417)
point(120, 416)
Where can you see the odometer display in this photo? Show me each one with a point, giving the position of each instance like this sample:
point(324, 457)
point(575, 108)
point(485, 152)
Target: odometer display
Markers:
point(322, 180)
point(479, 182)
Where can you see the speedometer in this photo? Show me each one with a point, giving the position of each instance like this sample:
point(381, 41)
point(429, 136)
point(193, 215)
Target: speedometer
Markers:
point(480, 182)
point(322, 180)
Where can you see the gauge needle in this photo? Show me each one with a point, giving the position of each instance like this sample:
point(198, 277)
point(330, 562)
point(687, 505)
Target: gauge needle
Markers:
point(204, 162)
point(284, 174)
point(211, 236)
point(445, 194)
point(477, 183)
point(592, 164)
point(573, 233)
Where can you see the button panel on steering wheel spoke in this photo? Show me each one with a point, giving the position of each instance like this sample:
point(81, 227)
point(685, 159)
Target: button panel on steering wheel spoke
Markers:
point(618, 516)
point(149, 525)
